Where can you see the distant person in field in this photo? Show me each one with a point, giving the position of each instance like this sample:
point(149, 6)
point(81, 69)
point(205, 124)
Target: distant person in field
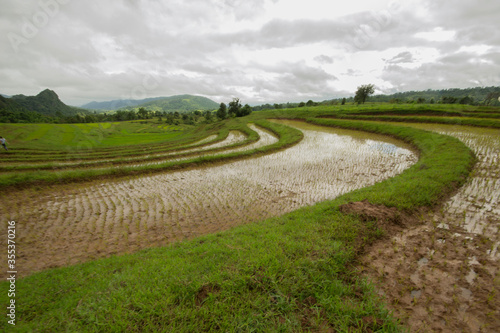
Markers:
point(3, 142)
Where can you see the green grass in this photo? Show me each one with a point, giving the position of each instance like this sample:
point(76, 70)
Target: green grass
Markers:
point(287, 274)
point(466, 121)
point(89, 136)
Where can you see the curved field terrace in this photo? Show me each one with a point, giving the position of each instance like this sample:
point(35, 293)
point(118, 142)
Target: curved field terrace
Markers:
point(76, 225)
point(375, 218)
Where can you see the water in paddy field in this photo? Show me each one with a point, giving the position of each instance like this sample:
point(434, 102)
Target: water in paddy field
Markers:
point(84, 222)
point(476, 206)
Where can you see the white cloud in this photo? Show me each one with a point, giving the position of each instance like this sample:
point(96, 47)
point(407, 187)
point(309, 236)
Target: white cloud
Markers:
point(437, 35)
point(262, 50)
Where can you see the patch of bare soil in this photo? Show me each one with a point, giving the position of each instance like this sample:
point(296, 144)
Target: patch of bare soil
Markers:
point(389, 219)
point(205, 291)
point(435, 277)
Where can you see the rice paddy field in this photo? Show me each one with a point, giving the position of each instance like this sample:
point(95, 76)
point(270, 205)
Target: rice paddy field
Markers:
point(380, 218)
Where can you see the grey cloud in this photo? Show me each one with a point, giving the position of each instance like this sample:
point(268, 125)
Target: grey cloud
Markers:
point(243, 9)
point(169, 38)
point(460, 13)
point(293, 82)
point(299, 70)
point(474, 22)
point(403, 57)
point(324, 59)
point(285, 33)
point(459, 70)
point(352, 72)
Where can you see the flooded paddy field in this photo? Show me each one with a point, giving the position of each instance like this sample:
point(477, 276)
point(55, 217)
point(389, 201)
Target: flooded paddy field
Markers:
point(70, 224)
point(476, 206)
point(443, 274)
point(265, 138)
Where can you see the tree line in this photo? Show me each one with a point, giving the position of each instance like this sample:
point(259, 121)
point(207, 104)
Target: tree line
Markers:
point(233, 109)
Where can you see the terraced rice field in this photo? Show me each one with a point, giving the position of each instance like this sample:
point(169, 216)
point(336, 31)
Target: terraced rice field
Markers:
point(476, 206)
point(202, 147)
point(437, 269)
point(72, 225)
point(447, 267)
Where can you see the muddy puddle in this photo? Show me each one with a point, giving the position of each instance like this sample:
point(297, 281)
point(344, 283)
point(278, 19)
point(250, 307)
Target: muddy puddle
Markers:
point(79, 223)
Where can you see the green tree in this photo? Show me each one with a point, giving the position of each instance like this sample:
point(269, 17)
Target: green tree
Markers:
point(131, 115)
point(466, 100)
point(448, 100)
point(208, 115)
point(222, 111)
point(143, 113)
point(170, 118)
point(244, 111)
point(234, 107)
point(491, 98)
point(363, 92)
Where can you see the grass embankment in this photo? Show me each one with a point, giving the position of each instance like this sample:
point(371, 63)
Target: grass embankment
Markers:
point(52, 137)
point(442, 114)
point(287, 136)
point(287, 274)
point(464, 121)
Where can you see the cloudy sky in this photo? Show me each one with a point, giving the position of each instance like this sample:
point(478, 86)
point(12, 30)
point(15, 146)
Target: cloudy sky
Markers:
point(262, 51)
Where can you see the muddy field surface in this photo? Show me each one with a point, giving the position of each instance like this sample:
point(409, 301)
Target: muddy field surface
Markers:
point(70, 224)
point(441, 272)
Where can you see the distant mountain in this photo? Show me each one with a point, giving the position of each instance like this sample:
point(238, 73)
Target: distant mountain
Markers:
point(12, 112)
point(46, 103)
point(117, 104)
point(10, 105)
point(180, 103)
point(6, 96)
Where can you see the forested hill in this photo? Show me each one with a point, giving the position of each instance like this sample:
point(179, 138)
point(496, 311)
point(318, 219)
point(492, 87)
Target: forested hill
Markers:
point(179, 103)
point(46, 103)
point(478, 95)
point(43, 107)
point(117, 104)
point(8, 104)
